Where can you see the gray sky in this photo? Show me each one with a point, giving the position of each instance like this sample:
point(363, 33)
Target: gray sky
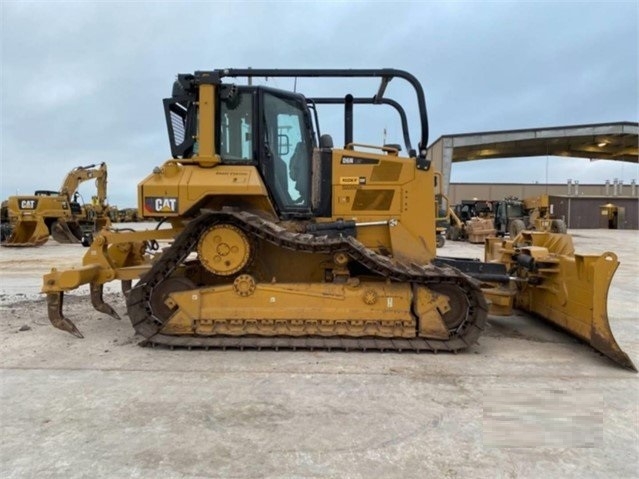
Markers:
point(83, 82)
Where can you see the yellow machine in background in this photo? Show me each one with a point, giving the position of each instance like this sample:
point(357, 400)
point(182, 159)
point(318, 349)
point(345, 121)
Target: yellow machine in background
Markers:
point(472, 221)
point(278, 238)
point(58, 213)
point(513, 216)
point(5, 225)
point(128, 215)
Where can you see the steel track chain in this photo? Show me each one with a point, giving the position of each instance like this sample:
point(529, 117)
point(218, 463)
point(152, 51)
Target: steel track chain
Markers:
point(149, 325)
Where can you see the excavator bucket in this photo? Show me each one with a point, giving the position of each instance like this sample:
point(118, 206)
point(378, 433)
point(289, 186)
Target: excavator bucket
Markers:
point(66, 231)
point(570, 290)
point(28, 231)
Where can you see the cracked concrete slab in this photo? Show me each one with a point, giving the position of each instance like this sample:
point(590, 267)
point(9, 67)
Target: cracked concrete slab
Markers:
point(527, 401)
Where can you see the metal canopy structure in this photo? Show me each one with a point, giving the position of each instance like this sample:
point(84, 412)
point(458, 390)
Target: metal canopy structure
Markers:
point(603, 141)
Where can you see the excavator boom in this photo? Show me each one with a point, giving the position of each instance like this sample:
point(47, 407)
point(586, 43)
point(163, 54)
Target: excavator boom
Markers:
point(79, 175)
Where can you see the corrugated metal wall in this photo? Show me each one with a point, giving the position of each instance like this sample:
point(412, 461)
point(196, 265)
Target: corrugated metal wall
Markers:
point(581, 209)
point(585, 212)
point(495, 191)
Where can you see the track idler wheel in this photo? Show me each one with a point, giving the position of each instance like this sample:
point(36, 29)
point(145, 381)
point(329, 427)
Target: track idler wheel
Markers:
point(457, 315)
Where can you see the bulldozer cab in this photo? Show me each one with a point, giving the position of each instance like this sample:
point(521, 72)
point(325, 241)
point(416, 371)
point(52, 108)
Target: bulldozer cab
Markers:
point(255, 125)
point(259, 126)
point(275, 131)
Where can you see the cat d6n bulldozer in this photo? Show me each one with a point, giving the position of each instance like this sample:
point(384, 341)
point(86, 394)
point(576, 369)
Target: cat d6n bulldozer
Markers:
point(32, 219)
point(276, 238)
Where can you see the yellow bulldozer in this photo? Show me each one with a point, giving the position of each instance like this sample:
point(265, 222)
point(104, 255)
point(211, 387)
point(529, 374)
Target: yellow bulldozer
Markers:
point(279, 239)
point(32, 219)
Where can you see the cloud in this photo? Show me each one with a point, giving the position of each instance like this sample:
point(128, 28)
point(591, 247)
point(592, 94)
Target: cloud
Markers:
point(83, 82)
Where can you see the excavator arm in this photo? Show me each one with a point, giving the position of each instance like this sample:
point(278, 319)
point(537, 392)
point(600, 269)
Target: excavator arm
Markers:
point(79, 175)
point(95, 214)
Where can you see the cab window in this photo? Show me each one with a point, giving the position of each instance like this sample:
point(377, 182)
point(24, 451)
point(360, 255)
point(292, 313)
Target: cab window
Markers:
point(289, 145)
point(236, 128)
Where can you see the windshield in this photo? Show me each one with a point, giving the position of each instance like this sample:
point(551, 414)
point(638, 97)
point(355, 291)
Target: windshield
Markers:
point(288, 142)
point(515, 210)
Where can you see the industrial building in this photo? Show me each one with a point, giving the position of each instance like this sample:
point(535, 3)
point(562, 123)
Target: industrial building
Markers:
point(611, 204)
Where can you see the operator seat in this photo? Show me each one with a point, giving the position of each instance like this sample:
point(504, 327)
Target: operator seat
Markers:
point(299, 169)
point(281, 180)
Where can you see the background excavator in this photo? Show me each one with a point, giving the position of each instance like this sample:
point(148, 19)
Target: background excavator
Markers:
point(32, 219)
point(279, 239)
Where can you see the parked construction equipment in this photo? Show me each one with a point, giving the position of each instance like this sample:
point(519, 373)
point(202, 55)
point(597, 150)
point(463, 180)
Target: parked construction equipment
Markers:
point(513, 215)
point(5, 225)
point(472, 221)
point(128, 215)
point(278, 239)
point(58, 213)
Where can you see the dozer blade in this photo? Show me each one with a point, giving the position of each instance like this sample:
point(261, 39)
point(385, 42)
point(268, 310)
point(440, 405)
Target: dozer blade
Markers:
point(28, 232)
point(567, 289)
point(66, 232)
point(54, 310)
point(579, 303)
